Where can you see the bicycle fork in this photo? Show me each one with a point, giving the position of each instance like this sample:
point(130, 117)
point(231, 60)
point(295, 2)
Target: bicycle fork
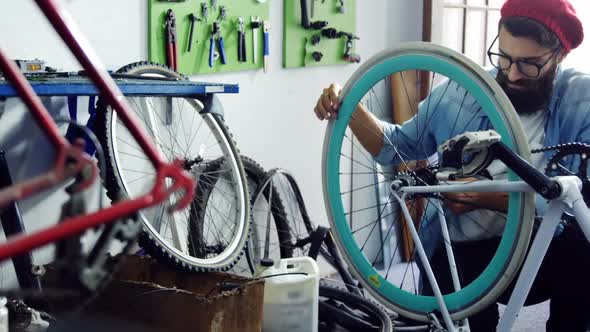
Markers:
point(428, 269)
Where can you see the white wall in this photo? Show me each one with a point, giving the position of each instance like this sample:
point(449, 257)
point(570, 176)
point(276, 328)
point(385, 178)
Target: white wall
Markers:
point(579, 57)
point(271, 117)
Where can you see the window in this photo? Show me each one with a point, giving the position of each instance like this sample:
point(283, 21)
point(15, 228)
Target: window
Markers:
point(469, 26)
point(579, 57)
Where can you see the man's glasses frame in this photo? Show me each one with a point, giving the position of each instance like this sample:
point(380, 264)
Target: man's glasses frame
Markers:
point(520, 63)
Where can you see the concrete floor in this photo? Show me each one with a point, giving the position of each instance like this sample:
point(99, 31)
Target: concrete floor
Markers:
point(530, 319)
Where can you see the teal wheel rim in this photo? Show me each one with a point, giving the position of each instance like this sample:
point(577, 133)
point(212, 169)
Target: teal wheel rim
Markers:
point(493, 272)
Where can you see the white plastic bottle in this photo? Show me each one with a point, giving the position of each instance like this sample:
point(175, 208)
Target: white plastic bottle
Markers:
point(291, 294)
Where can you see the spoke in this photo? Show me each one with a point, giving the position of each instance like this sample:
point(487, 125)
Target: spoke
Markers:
point(135, 101)
point(364, 209)
point(358, 162)
point(458, 114)
point(132, 155)
point(364, 187)
point(196, 132)
point(375, 224)
point(412, 109)
point(434, 111)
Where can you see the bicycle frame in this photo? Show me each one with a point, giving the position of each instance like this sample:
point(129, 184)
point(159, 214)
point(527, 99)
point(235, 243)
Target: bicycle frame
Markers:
point(71, 159)
point(570, 200)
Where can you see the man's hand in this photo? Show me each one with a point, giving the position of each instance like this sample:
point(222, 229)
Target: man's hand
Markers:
point(328, 103)
point(461, 203)
point(365, 127)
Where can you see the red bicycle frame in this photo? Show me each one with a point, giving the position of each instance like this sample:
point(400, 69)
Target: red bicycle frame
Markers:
point(71, 159)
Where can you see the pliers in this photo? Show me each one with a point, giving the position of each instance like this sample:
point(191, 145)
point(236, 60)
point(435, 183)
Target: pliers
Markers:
point(171, 50)
point(216, 34)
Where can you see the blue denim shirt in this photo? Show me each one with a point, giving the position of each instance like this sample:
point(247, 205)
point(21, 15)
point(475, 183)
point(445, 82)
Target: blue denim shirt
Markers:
point(567, 120)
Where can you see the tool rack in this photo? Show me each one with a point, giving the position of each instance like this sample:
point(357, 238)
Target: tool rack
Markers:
point(188, 13)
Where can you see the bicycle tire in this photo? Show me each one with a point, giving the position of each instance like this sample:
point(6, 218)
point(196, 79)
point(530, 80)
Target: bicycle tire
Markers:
point(460, 70)
point(344, 318)
point(255, 174)
point(118, 188)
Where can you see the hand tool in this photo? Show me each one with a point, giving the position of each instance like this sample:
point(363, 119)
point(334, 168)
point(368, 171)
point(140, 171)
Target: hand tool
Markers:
point(266, 29)
point(204, 10)
point(214, 5)
point(171, 52)
point(305, 22)
point(348, 55)
point(341, 8)
point(241, 41)
point(315, 39)
point(216, 35)
point(332, 33)
point(317, 56)
point(255, 24)
point(193, 18)
point(222, 13)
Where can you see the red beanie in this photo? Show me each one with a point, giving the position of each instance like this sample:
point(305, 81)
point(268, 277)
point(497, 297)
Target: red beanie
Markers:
point(557, 15)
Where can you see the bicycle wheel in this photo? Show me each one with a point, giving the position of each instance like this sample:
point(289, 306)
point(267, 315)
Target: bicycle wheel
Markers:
point(358, 198)
point(255, 175)
point(290, 212)
point(179, 130)
point(351, 311)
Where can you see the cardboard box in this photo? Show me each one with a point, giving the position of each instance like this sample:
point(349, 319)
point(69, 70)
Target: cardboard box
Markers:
point(151, 296)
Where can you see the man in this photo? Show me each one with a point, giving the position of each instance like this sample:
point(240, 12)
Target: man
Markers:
point(554, 106)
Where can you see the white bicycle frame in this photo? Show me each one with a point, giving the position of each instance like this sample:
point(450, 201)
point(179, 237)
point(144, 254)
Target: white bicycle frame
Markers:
point(571, 200)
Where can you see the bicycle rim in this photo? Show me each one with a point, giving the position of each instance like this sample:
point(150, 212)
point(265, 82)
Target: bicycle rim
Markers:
point(201, 139)
point(379, 221)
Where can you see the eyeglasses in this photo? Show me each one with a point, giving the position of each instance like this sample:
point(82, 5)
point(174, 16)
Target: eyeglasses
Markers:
point(527, 68)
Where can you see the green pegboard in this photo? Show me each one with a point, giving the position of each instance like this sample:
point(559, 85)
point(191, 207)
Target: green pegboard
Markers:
point(297, 52)
point(197, 60)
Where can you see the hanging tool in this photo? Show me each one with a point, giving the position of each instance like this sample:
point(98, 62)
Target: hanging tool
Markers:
point(332, 33)
point(341, 8)
point(214, 5)
point(205, 10)
point(216, 35)
point(266, 29)
point(171, 52)
point(317, 56)
point(315, 39)
point(193, 18)
point(348, 55)
point(241, 41)
point(255, 24)
point(222, 13)
point(305, 23)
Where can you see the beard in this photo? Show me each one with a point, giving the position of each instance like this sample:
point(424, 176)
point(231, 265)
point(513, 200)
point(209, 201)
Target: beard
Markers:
point(535, 95)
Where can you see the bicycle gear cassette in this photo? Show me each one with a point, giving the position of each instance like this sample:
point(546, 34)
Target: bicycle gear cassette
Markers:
point(569, 159)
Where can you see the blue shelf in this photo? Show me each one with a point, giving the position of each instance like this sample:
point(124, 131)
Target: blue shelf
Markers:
point(80, 86)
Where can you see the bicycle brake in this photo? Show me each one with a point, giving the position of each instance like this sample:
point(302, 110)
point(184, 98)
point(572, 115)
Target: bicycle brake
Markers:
point(467, 154)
